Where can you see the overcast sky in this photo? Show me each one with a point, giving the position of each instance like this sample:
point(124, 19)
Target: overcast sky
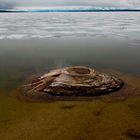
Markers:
point(101, 3)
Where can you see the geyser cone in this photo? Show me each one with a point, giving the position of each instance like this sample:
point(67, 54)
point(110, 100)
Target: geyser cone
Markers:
point(74, 81)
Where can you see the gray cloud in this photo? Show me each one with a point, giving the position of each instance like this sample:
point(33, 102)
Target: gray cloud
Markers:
point(103, 3)
point(7, 5)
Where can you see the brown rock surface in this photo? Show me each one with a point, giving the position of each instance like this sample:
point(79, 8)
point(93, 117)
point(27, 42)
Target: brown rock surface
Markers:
point(75, 81)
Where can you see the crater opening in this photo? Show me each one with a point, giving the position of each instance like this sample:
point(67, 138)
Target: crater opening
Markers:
point(78, 70)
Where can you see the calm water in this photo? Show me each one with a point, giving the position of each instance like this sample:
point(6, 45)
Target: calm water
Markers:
point(32, 43)
point(49, 25)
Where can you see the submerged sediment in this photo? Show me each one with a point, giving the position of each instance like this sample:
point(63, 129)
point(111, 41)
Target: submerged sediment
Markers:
point(73, 81)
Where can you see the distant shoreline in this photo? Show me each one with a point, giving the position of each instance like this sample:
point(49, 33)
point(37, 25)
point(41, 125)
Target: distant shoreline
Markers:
point(71, 10)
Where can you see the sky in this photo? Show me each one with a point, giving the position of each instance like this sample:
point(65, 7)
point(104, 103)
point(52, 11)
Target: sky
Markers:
point(7, 4)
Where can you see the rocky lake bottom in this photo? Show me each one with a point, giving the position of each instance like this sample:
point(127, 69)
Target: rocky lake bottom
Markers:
point(114, 116)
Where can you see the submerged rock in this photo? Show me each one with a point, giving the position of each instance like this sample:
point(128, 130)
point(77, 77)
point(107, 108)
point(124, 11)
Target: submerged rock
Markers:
point(74, 81)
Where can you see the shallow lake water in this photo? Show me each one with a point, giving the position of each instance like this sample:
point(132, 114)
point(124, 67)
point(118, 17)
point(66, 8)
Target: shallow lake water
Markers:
point(112, 46)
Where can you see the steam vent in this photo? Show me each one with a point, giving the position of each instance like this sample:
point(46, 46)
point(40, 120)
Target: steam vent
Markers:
point(74, 81)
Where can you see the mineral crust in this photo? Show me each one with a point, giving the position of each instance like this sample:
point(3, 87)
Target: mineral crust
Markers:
point(74, 81)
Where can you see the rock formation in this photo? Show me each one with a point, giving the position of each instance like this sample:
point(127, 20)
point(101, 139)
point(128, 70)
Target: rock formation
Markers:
point(74, 81)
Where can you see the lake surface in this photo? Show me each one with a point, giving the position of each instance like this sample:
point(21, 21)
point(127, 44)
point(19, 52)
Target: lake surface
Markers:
point(34, 43)
point(48, 25)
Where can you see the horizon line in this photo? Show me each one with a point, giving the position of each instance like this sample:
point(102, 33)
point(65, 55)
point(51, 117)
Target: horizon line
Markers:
point(74, 10)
